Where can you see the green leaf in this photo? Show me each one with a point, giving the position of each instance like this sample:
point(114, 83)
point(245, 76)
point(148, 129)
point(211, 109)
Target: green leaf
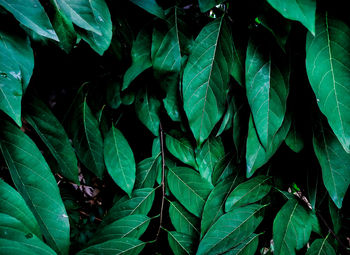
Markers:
point(328, 69)
point(294, 140)
point(172, 101)
point(214, 206)
point(99, 42)
point(150, 6)
point(206, 77)
point(147, 110)
point(122, 246)
point(140, 203)
point(223, 168)
point(207, 157)
point(87, 138)
point(320, 247)
point(15, 248)
point(130, 226)
point(182, 220)
point(291, 228)
point(335, 217)
point(299, 10)
point(32, 15)
point(180, 243)
point(247, 247)
point(113, 96)
point(146, 172)
point(231, 229)
point(51, 132)
point(248, 192)
point(181, 148)
point(267, 85)
point(189, 188)
point(141, 57)
point(37, 185)
point(206, 5)
point(334, 162)
point(256, 156)
point(13, 204)
point(237, 70)
point(119, 160)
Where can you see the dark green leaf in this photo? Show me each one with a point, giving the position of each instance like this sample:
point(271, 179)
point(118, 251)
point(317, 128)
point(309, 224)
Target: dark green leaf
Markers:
point(237, 71)
point(248, 192)
point(189, 188)
point(14, 248)
point(146, 172)
point(36, 184)
point(291, 228)
point(119, 160)
point(299, 10)
point(328, 69)
point(206, 77)
point(320, 247)
point(150, 6)
point(113, 96)
point(32, 15)
point(294, 139)
point(51, 132)
point(231, 229)
point(180, 243)
point(247, 247)
point(223, 168)
point(335, 216)
point(206, 5)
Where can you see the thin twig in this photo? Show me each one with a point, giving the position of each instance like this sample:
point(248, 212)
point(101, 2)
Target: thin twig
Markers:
point(161, 134)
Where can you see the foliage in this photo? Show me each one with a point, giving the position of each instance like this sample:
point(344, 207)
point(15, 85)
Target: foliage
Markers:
point(200, 127)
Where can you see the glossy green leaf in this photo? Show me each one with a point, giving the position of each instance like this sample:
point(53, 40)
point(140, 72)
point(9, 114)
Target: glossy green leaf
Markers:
point(122, 246)
point(13, 204)
point(237, 71)
point(206, 77)
point(291, 228)
point(223, 168)
point(209, 154)
point(181, 148)
point(328, 69)
point(267, 86)
point(182, 220)
point(150, 6)
point(87, 138)
point(51, 132)
point(140, 203)
point(181, 243)
point(334, 162)
point(147, 110)
point(299, 10)
point(214, 206)
point(294, 140)
point(146, 172)
point(130, 226)
point(141, 57)
point(36, 184)
point(320, 247)
point(230, 230)
point(247, 247)
point(189, 188)
point(172, 104)
point(32, 15)
point(119, 160)
point(256, 156)
point(206, 5)
point(14, 248)
point(248, 192)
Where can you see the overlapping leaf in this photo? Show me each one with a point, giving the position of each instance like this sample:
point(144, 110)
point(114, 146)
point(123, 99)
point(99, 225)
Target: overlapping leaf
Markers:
point(247, 247)
point(150, 6)
point(320, 247)
point(146, 172)
point(181, 243)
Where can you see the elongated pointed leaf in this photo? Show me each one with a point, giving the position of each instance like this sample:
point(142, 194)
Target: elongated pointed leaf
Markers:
point(328, 69)
point(189, 188)
point(140, 203)
point(299, 10)
point(210, 153)
point(320, 247)
point(130, 226)
point(248, 192)
point(36, 184)
point(122, 246)
point(181, 243)
point(14, 248)
point(214, 206)
point(150, 6)
point(147, 110)
point(120, 160)
point(230, 230)
point(334, 212)
point(146, 172)
point(223, 168)
point(87, 138)
point(206, 77)
point(32, 15)
point(51, 132)
point(237, 71)
point(13, 204)
point(206, 5)
point(334, 161)
point(247, 247)
point(267, 90)
point(294, 140)
point(182, 220)
point(291, 228)
point(181, 148)
point(141, 57)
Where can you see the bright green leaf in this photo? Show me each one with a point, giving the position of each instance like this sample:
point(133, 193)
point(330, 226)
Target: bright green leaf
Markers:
point(146, 172)
point(182, 220)
point(320, 247)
